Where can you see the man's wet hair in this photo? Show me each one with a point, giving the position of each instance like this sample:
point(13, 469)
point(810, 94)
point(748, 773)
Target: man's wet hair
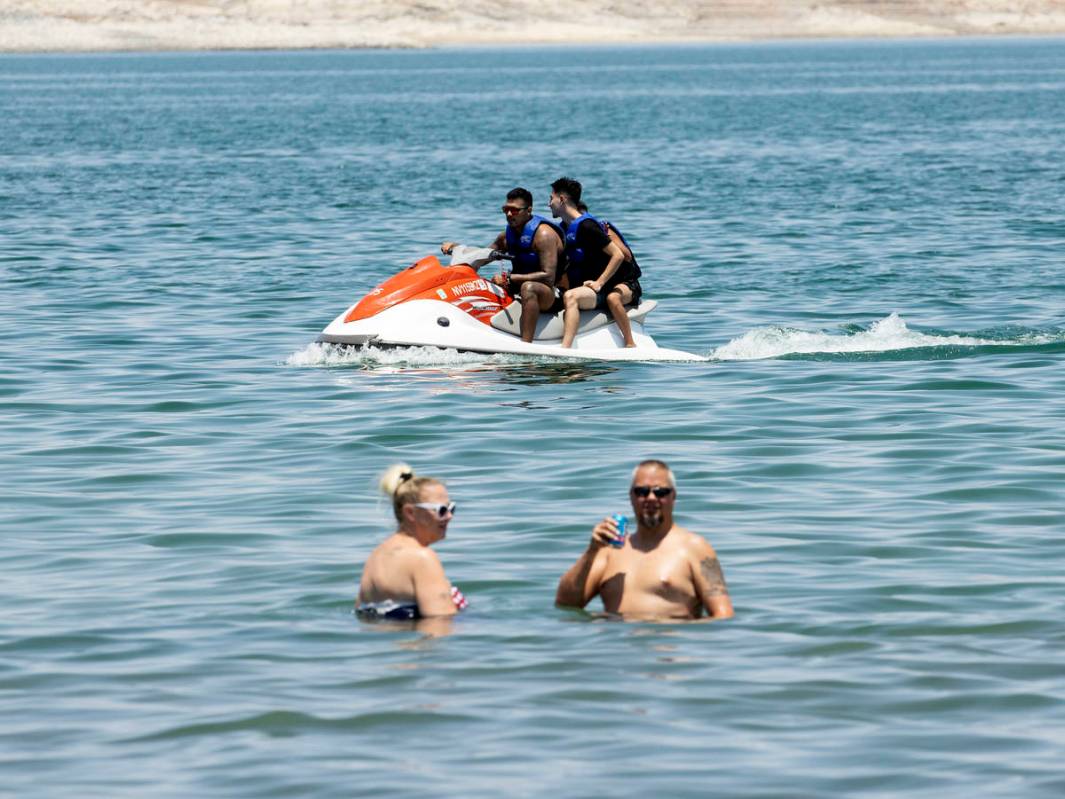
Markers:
point(568, 186)
point(520, 194)
point(661, 465)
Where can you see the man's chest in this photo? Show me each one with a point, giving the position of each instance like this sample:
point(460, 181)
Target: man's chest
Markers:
point(667, 575)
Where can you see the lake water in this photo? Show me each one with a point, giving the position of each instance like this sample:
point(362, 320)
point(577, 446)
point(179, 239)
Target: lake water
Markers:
point(867, 238)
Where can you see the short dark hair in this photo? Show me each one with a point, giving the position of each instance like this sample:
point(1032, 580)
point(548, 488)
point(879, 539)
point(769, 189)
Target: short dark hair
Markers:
point(568, 186)
point(521, 194)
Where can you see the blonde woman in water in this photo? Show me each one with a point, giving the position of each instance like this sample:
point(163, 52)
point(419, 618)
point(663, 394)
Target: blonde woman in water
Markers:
point(403, 578)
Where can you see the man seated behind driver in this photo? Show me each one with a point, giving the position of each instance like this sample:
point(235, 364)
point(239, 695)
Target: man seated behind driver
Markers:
point(661, 571)
point(537, 245)
point(601, 273)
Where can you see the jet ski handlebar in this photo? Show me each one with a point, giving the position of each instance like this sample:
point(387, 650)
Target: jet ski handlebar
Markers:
point(477, 256)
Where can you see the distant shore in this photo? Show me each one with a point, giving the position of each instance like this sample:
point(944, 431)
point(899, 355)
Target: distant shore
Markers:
point(158, 25)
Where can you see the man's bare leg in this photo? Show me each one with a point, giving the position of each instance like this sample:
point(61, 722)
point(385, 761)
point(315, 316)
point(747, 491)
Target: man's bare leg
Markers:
point(615, 301)
point(535, 297)
point(574, 299)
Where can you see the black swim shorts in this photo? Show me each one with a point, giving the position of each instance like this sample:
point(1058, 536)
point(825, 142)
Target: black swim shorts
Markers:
point(634, 287)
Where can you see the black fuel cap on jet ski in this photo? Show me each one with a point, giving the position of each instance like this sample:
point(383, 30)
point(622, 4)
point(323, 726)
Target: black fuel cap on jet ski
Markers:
point(443, 321)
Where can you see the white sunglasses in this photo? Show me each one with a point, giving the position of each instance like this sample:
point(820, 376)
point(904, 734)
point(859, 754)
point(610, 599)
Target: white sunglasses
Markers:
point(440, 510)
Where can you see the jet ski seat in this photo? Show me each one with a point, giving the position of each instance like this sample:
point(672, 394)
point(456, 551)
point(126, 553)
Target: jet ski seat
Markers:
point(549, 325)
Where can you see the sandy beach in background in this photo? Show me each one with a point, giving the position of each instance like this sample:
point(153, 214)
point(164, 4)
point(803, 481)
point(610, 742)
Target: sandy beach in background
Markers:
point(123, 25)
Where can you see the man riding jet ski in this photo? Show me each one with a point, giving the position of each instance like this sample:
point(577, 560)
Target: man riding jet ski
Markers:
point(537, 248)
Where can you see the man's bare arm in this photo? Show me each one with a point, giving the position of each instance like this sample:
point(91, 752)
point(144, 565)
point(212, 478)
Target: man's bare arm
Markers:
point(545, 244)
point(713, 591)
point(621, 245)
point(617, 258)
point(573, 587)
point(498, 244)
point(584, 580)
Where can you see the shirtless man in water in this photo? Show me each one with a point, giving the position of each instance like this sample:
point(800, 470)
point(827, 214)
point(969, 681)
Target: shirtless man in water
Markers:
point(662, 572)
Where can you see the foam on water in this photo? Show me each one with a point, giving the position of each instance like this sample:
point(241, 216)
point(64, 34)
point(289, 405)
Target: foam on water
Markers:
point(888, 334)
point(318, 354)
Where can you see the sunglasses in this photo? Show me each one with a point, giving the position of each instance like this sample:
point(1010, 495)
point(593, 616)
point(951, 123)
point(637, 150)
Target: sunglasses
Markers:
point(513, 210)
point(661, 492)
point(440, 510)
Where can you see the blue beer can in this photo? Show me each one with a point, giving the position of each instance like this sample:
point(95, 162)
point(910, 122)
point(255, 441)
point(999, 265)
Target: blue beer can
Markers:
point(623, 523)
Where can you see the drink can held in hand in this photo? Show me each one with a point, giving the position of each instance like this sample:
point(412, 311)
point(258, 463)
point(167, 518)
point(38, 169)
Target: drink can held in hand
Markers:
point(619, 542)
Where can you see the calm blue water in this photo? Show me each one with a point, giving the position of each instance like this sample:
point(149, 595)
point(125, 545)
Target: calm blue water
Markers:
point(868, 240)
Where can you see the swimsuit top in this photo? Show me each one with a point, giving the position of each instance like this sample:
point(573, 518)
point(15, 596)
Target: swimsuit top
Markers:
point(389, 609)
point(403, 611)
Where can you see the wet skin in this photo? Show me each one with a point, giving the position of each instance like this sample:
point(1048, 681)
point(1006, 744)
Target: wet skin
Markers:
point(404, 569)
point(663, 571)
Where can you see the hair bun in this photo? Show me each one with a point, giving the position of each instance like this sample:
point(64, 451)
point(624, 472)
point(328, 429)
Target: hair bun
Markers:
point(395, 476)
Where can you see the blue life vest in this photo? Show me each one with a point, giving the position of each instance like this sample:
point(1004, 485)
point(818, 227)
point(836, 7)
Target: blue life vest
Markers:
point(576, 255)
point(607, 227)
point(526, 259)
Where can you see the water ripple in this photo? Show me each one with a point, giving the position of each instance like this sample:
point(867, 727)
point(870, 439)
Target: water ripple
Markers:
point(189, 484)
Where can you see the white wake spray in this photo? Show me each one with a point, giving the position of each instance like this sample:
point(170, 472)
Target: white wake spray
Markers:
point(890, 333)
point(317, 354)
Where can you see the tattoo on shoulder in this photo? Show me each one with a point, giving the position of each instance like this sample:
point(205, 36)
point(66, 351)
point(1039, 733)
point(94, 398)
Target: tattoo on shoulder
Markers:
point(715, 580)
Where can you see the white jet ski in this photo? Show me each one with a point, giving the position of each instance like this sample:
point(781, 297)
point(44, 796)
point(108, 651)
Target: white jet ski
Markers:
point(430, 304)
